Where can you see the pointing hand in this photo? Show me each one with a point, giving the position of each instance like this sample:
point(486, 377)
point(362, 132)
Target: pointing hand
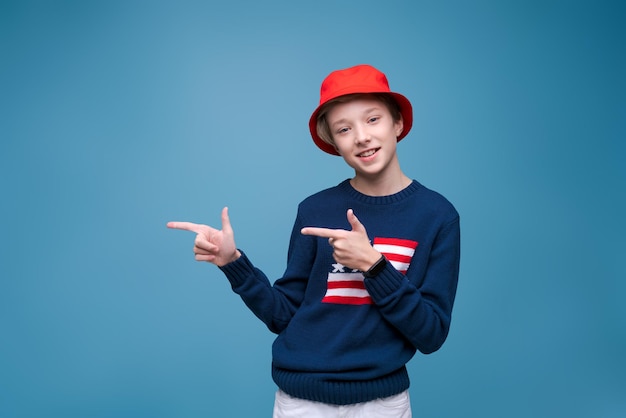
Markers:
point(212, 245)
point(350, 248)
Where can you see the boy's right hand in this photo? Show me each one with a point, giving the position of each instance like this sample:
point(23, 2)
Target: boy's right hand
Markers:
point(212, 245)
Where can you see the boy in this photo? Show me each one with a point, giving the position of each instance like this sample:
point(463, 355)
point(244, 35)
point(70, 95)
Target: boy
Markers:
point(360, 295)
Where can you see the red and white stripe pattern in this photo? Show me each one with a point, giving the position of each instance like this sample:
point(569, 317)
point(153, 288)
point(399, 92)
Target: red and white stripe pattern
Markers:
point(398, 251)
point(345, 286)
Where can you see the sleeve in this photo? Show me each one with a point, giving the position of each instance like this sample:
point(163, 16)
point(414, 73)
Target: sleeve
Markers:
point(274, 304)
point(422, 314)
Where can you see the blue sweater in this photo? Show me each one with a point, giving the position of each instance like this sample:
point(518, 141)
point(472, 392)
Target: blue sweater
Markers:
point(343, 339)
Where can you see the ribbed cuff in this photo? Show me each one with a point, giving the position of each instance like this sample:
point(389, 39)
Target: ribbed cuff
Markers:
point(385, 283)
point(239, 270)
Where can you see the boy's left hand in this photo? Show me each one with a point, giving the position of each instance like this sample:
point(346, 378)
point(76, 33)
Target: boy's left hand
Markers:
point(350, 248)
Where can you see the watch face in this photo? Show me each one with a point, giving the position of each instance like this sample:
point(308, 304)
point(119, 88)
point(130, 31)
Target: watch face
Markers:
point(376, 268)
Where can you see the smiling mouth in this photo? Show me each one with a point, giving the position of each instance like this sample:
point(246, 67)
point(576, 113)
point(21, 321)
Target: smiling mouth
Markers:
point(368, 153)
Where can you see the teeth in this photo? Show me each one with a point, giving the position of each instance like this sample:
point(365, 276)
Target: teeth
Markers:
point(367, 153)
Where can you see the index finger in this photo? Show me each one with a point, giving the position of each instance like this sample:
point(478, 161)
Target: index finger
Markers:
point(322, 232)
point(186, 226)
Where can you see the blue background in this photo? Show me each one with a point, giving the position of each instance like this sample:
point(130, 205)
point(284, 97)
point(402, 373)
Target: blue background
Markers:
point(117, 117)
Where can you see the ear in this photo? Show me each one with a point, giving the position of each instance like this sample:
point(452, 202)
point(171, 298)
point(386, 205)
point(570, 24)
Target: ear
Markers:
point(398, 126)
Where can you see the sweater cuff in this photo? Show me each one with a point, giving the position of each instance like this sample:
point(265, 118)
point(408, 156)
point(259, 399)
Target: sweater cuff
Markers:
point(239, 270)
point(384, 284)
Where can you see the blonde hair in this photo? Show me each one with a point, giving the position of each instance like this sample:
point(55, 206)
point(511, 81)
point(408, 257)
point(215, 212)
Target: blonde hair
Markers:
point(323, 130)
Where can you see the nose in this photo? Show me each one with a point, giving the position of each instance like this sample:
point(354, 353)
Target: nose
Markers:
point(361, 135)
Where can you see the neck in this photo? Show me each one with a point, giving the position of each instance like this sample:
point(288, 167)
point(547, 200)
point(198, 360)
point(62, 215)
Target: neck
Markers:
point(380, 186)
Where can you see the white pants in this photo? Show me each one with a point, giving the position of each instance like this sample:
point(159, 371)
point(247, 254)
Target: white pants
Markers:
point(397, 406)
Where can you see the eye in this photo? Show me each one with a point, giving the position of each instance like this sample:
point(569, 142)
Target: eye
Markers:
point(342, 130)
point(373, 119)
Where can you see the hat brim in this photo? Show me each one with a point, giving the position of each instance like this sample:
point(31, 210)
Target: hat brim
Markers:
point(406, 110)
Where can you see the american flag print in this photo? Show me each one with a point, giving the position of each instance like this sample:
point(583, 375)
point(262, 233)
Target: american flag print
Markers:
point(345, 286)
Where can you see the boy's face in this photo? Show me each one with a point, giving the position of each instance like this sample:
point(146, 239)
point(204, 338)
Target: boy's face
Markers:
point(365, 135)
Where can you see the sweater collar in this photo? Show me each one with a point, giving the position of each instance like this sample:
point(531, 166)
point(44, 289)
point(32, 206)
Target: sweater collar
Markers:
point(411, 189)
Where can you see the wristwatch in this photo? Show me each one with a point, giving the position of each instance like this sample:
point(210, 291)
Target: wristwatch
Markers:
point(376, 268)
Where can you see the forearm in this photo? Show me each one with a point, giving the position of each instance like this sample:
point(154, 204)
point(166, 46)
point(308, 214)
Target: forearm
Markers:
point(269, 304)
point(419, 305)
point(421, 319)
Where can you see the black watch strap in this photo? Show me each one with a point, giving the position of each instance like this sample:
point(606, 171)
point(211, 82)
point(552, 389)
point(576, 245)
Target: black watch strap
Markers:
point(376, 268)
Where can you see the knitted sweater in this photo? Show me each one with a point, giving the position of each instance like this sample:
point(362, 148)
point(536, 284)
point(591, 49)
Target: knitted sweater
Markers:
point(343, 339)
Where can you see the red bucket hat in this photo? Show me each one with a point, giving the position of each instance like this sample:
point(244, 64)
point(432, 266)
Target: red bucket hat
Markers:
point(357, 79)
